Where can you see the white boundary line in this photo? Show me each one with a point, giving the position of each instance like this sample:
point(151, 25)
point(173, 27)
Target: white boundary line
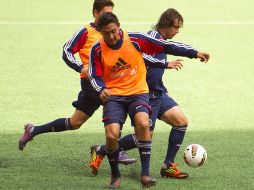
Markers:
point(222, 22)
point(76, 22)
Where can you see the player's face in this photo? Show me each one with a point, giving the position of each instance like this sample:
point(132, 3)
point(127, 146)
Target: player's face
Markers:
point(172, 31)
point(111, 34)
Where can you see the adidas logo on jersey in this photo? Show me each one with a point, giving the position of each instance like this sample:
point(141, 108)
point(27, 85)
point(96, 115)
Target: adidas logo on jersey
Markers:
point(120, 65)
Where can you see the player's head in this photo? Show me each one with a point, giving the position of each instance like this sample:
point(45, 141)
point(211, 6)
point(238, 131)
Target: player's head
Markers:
point(109, 27)
point(102, 6)
point(170, 21)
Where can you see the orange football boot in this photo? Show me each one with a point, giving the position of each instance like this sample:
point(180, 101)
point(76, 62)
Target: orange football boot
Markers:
point(95, 160)
point(173, 171)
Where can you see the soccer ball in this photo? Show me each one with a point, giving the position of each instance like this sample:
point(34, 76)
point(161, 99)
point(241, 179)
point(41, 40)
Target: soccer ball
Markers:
point(195, 155)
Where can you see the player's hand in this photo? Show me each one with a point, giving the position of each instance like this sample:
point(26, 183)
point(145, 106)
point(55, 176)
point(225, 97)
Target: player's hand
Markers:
point(176, 64)
point(104, 95)
point(203, 56)
point(84, 70)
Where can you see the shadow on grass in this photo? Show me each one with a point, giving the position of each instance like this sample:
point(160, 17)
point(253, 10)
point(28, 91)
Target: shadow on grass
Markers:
point(61, 161)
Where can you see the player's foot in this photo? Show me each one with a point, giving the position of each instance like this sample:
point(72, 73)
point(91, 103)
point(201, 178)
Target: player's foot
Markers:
point(95, 160)
point(27, 136)
point(173, 171)
point(123, 158)
point(114, 183)
point(147, 181)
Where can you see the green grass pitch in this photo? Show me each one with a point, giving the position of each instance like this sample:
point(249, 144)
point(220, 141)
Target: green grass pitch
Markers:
point(36, 86)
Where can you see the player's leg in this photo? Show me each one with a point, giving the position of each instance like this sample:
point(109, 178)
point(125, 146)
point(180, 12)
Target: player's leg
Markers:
point(173, 115)
point(58, 125)
point(179, 123)
point(114, 115)
point(85, 107)
point(98, 152)
point(130, 141)
point(126, 143)
point(139, 111)
point(112, 150)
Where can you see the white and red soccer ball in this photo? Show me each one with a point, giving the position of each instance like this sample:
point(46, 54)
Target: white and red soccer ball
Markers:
point(195, 155)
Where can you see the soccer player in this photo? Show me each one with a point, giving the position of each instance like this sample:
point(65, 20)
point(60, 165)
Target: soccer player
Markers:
point(117, 71)
point(163, 106)
point(88, 99)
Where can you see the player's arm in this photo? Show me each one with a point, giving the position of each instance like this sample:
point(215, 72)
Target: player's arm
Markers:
point(155, 62)
point(73, 46)
point(147, 44)
point(158, 61)
point(95, 72)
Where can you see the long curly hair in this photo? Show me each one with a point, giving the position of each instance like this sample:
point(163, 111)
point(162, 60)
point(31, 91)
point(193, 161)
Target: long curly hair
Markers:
point(167, 19)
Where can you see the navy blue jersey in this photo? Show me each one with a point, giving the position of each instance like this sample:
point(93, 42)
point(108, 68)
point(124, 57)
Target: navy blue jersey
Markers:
point(154, 75)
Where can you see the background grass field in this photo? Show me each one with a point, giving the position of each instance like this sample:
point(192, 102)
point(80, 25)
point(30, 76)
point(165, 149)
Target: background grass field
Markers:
point(36, 86)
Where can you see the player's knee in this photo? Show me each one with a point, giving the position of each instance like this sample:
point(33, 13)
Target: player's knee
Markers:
point(76, 124)
point(78, 119)
point(184, 122)
point(75, 127)
point(143, 126)
point(112, 137)
point(181, 122)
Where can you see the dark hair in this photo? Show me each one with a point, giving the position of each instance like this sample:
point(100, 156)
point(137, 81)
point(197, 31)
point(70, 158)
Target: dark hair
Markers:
point(107, 18)
point(100, 4)
point(167, 19)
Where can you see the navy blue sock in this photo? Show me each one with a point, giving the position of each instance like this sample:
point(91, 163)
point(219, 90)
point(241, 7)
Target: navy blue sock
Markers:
point(174, 142)
point(144, 148)
point(128, 142)
point(58, 125)
point(102, 150)
point(113, 162)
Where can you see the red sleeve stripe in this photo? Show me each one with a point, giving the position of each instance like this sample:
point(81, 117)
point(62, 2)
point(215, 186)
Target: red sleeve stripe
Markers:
point(74, 42)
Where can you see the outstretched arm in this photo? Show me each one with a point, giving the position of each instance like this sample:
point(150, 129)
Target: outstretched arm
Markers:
point(147, 44)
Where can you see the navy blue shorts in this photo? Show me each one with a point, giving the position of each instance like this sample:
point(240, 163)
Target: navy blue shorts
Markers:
point(117, 108)
point(88, 99)
point(160, 103)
